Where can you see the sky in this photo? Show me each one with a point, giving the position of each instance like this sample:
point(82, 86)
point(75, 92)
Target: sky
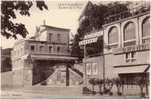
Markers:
point(56, 16)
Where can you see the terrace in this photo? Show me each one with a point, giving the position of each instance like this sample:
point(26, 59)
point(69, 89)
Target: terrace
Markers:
point(127, 13)
point(45, 48)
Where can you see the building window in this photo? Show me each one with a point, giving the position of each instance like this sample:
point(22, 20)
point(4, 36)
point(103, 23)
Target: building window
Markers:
point(88, 69)
point(58, 49)
point(50, 49)
point(113, 37)
point(32, 48)
point(129, 34)
point(127, 57)
point(94, 68)
point(130, 57)
point(145, 31)
point(58, 37)
point(41, 48)
point(50, 37)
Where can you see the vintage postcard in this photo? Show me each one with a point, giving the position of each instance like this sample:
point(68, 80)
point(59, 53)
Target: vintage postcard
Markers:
point(96, 49)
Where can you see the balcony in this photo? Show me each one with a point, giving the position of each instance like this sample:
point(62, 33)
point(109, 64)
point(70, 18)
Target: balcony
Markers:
point(128, 13)
point(44, 48)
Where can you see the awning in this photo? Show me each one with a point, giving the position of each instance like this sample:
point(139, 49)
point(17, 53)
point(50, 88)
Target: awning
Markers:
point(91, 38)
point(132, 69)
point(88, 41)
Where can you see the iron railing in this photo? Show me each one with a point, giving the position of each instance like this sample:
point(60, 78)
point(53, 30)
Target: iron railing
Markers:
point(127, 13)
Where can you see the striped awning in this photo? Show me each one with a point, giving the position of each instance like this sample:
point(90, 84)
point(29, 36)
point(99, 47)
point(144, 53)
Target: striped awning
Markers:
point(88, 41)
point(132, 69)
point(91, 38)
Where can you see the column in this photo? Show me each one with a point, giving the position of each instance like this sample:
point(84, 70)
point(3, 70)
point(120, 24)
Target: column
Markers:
point(84, 64)
point(28, 73)
point(137, 30)
point(67, 75)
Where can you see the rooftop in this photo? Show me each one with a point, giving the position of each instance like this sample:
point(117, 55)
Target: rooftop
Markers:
point(53, 27)
point(128, 13)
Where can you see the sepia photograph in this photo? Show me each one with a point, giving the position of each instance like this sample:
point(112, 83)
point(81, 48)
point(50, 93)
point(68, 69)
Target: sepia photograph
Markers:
point(80, 49)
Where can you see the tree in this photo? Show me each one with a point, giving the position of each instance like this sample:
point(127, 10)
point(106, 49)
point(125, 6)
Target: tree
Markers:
point(118, 83)
point(8, 9)
point(141, 81)
point(93, 82)
point(100, 84)
point(76, 50)
point(94, 19)
point(108, 84)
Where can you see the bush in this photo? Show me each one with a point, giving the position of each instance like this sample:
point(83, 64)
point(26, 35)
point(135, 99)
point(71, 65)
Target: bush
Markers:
point(93, 82)
point(119, 93)
point(118, 82)
point(86, 90)
point(110, 93)
point(100, 82)
point(143, 94)
point(108, 86)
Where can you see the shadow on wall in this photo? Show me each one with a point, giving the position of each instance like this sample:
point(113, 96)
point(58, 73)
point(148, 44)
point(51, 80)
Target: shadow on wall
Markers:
point(40, 75)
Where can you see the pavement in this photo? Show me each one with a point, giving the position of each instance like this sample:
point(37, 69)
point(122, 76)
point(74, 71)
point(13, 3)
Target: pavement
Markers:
point(55, 92)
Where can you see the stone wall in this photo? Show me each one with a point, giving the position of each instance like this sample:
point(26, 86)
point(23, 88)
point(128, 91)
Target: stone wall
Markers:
point(6, 79)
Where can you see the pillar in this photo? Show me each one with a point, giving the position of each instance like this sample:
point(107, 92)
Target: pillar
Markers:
point(67, 75)
point(28, 73)
point(84, 65)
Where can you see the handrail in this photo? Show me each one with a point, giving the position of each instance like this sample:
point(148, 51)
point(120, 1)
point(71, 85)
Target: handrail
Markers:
point(76, 71)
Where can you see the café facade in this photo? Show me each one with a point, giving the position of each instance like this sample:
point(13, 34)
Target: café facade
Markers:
point(124, 52)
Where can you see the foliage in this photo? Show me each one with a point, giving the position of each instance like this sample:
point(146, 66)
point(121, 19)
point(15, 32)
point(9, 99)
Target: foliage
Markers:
point(105, 85)
point(108, 86)
point(8, 13)
point(142, 82)
point(94, 19)
point(76, 50)
point(118, 83)
point(100, 83)
point(93, 82)
point(86, 90)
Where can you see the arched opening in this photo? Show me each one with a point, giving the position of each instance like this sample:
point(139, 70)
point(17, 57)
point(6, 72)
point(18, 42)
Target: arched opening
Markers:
point(113, 37)
point(145, 30)
point(129, 35)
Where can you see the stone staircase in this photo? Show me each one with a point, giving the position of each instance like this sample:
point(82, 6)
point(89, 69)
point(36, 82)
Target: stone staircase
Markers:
point(75, 78)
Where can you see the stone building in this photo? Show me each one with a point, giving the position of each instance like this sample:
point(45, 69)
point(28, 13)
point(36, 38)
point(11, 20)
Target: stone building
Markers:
point(125, 51)
point(6, 64)
point(6, 68)
point(35, 60)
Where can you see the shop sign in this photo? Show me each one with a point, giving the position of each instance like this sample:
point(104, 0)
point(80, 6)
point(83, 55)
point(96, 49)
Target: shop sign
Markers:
point(93, 35)
point(132, 48)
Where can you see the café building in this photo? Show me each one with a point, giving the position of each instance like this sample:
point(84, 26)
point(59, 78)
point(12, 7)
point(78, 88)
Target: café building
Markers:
point(125, 48)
